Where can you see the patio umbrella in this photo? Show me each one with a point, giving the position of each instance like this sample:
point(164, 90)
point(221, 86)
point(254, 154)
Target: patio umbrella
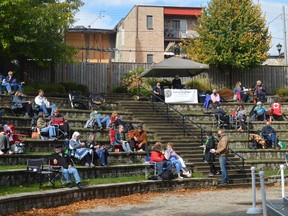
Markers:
point(172, 66)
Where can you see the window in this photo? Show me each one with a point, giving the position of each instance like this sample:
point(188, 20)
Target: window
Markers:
point(150, 58)
point(149, 22)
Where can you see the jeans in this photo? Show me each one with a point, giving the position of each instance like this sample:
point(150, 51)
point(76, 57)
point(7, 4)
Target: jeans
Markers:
point(6, 85)
point(16, 87)
point(99, 121)
point(103, 156)
point(45, 110)
point(126, 146)
point(178, 166)
point(161, 165)
point(222, 161)
point(50, 129)
point(273, 139)
point(67, 172)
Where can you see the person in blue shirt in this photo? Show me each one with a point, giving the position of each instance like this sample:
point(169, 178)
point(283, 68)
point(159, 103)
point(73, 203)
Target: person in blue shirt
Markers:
point(15, 85)
point(5, 84)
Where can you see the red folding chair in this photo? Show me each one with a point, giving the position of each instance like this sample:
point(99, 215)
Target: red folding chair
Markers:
point(117, 147)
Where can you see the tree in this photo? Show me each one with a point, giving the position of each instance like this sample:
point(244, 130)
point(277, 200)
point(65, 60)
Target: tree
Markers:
point(34, 29)
point(232, 34)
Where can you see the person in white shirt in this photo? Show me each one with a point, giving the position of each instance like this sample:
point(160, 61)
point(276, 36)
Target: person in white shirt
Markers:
point(44, 104)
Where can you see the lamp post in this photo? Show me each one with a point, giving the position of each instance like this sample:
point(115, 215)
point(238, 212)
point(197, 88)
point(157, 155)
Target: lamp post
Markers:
point(279, 47)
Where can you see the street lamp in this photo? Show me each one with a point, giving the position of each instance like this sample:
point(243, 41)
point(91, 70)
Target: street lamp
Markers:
point(279, 47)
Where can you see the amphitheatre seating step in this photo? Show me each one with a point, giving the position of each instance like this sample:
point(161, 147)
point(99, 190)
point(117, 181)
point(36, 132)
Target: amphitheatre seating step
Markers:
point(114, 158)
point(263, 154)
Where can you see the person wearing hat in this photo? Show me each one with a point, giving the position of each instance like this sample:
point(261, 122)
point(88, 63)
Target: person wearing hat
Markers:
point(15, 85)
point(138, 140)
point(59, 158)
point(260, 112)
point(215, 97)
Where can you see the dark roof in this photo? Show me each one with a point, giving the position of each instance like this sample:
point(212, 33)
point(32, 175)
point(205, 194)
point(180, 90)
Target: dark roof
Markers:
point(90, 30)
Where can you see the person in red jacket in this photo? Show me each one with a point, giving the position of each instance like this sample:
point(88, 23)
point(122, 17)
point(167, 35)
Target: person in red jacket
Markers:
point(275, 112)
point(157, 155)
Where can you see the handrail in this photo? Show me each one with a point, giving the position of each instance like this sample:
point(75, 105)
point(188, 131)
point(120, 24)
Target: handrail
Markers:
point(168, 111)
point(243, 162)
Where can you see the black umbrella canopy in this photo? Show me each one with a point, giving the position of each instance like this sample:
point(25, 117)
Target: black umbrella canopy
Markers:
point(172, 66)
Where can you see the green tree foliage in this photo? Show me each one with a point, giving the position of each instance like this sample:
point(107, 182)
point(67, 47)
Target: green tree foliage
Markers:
point(231, 33)
point(34, 29)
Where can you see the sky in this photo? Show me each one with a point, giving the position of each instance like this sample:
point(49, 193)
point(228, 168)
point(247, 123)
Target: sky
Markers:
point(105, 14)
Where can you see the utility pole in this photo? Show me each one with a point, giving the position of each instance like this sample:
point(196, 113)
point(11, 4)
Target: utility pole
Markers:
point(285, 39)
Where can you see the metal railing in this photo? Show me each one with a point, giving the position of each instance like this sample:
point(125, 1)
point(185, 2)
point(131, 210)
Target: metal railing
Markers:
point(242, 168)
point(172, 114)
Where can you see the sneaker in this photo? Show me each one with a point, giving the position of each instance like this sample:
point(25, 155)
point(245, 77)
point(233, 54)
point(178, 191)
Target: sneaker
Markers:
point(92, 165)
point(140, 150)
point(26, 115)
point(211, 175)
point(217, 173)
point(180, 177)
point(87, 165)
point(1, 152)
point(10, 152)
point(69, 185)
point(79, 185)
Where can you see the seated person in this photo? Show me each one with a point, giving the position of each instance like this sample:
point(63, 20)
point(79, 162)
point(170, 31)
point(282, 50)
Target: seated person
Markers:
point(259, 112)
point(101, 152)
point(43, 126)
point(215, 97)
point(115, 120)
point(158, 157)
point(275, 112)
point(59, 158)
point(270, 134)
point(241, 117)
point(176, 83)
point(259, 91)
point(19, 103)
point(139, 140)
point(245, 96)
point(237, 91)
point(220, 113)
point(5, 84)
point(100, 119)
point(4, 143)
point(172, 156)
point(61, 122)
point(13, 82)
point(44, 104)
point(78, 150)
point(118, 140)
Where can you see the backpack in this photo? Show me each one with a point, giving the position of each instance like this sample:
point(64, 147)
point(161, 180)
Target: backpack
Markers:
point(166, 176)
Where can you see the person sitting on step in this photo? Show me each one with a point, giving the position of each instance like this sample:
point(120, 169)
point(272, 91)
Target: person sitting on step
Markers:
point(157, 156)
point(259, 113)
point(59, 158)
point(118, 140)
point(172, 156)
point(138, 140)
point(18, 102)
point(269, 134)
point(115, 120)
point(44, 127)
point(43, 104)
point(61, 122)
point(78, 150)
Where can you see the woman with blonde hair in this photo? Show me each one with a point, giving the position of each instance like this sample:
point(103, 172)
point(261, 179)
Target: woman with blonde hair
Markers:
point(171, 155)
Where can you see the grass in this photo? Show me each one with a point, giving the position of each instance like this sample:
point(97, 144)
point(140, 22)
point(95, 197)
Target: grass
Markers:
point(7, 190)
point(12, 167)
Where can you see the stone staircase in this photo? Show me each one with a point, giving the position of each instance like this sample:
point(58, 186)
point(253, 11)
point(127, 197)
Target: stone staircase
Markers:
point(186, 145)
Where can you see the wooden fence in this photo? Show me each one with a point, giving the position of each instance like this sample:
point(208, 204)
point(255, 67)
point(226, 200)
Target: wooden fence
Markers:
point(102, 77)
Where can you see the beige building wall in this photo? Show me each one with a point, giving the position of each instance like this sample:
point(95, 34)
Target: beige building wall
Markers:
point(135, 41)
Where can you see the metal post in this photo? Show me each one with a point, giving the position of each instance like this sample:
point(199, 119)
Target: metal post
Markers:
point(253, 209)
point(282, 180)
point(285, 34)
point(263, 192)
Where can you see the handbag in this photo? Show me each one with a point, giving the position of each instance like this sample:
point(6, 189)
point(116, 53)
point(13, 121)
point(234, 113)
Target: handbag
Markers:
point(35, 135)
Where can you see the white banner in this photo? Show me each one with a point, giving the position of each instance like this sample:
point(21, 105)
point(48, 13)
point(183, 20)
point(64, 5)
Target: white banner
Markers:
point(183, 96)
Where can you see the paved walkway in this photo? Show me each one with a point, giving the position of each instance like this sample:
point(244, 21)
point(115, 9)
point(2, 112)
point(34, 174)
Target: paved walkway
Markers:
point(232, 202)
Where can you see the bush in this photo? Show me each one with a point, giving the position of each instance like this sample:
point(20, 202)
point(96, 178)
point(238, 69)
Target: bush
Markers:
point(203, 85)
point(119, 89)
point(226, 93)
point(55, 89)
point(282, 92)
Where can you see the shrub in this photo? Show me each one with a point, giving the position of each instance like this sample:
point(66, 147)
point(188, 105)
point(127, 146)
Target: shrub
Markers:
point(226, 93)
point(203, 85)
point(282, 92)
point(119, 89)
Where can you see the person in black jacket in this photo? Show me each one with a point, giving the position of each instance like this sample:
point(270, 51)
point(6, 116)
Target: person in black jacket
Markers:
point(59, 158)
point(210, 157)
point(176, 82)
